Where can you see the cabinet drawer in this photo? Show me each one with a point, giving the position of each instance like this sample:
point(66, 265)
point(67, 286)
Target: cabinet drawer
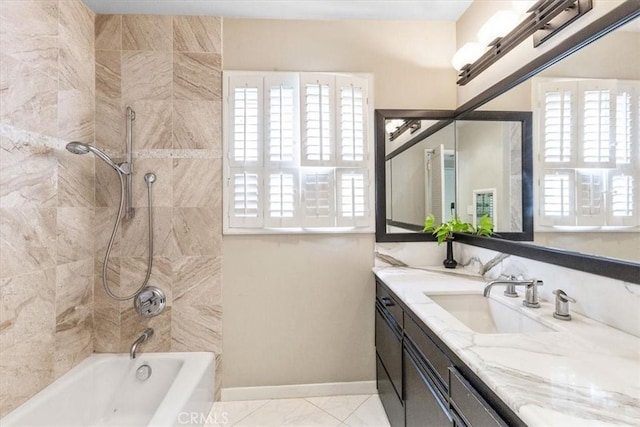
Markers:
point(390, 400)
point(385, 300)
point(389, 349)
point(469, 405)
point(429, 351)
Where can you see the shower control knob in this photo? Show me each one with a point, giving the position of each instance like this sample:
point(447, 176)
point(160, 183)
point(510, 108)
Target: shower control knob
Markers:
point(150, 301)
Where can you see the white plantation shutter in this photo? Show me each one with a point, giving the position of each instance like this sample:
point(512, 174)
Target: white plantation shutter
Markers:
point(245, 142)
point(246, 198)
point(353, 195)
point(598, 129)
point(282, 120)
point(623, 196)
point(318, 119)
point(352, 114)
point(297, 152)
point(590, 198)
point(282, 195)
point(624, 126)
point(318, 201)
point(589, 152)
point(558, 124)
point(557, 197)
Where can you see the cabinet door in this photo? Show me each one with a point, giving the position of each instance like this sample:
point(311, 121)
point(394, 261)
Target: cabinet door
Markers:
point(423, 406)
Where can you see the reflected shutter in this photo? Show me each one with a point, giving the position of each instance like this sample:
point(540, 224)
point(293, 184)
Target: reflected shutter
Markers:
point(557, 198)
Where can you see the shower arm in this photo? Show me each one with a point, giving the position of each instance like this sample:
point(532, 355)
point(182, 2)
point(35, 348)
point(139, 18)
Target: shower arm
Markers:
point(129, 211)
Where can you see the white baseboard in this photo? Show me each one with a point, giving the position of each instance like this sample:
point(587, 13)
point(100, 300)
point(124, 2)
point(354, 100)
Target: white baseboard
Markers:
point(298, 391)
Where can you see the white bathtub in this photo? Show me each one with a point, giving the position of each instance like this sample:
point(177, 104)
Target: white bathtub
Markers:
point(103, 391)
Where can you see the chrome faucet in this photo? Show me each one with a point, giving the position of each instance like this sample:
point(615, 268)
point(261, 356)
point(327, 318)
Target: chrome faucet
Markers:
point(531, 290)
point(148, 333)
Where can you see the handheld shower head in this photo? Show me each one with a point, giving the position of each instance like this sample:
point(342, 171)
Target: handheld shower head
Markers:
point(76, 147)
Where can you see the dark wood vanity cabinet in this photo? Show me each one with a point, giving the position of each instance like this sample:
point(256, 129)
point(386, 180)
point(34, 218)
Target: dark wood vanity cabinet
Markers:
point(421, 383)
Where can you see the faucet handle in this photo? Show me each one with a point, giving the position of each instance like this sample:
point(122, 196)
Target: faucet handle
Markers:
point(562, 305)
point(562, 296)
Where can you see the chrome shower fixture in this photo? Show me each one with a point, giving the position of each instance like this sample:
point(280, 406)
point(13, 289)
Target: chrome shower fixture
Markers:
point(125, 172)
point(76, 147)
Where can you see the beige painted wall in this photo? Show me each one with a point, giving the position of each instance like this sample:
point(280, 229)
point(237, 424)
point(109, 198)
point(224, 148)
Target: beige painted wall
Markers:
point(299, 309)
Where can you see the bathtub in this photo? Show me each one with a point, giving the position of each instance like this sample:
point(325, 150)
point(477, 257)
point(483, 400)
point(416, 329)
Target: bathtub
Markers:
point(103, 390)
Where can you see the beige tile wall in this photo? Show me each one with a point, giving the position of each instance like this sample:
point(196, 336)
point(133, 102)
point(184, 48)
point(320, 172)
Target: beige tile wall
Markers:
point(47, 198)
point(168, 69)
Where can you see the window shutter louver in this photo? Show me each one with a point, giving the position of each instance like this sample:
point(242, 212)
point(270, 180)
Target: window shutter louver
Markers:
point(318, 204)
point(557, 198)
point(282, 120)
point(624, 127)
point(623, 200)
point(559, 122)
point(246, 198)
point(352, 99)
point(245, 121)
point(318, 111)
point(353, 204)
point(598, 124)
point(590, 198)
point(282, 195)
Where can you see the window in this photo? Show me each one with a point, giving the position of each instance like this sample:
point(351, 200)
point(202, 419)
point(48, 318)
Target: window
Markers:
point(589, 141)
point(297, 153)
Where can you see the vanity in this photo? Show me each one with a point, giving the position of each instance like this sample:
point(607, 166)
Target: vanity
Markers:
point(440, 363)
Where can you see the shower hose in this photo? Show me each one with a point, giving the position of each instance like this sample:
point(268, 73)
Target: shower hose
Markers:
point(105, 264)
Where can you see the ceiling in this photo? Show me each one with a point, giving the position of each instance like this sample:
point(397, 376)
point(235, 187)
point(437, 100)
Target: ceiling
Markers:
point(414, 10)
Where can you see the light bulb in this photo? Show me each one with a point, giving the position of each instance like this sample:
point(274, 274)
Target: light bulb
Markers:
point(498, 26)
point(522, 6)
point(467, 54)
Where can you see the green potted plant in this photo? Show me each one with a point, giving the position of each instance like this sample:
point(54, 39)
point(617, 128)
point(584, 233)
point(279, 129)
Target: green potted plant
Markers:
point(444, 232)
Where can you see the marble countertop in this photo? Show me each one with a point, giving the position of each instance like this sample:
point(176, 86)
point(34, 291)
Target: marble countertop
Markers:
point(584, 373)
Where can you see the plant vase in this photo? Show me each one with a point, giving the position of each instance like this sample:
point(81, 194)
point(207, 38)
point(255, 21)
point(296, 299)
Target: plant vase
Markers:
point(449, 262)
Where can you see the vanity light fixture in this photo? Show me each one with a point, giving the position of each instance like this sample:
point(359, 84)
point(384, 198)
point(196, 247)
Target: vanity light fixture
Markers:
point(411, 125)
point(544, 19)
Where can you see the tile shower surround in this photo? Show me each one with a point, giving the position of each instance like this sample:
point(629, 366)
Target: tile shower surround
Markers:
point(46, 194)
point(57, 209)
point(168, 69)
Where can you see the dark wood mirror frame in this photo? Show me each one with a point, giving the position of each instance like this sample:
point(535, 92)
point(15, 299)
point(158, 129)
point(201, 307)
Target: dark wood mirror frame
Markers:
point(617, 269)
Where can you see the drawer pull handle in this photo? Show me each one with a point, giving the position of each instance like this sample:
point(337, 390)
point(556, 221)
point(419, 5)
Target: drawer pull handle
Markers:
point(387, 302)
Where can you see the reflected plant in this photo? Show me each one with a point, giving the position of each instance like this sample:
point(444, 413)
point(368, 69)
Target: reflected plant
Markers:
point(445, 230)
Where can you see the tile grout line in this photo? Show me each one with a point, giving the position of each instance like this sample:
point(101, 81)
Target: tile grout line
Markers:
point(252, 412)
point(359, 406)
point(331, 415)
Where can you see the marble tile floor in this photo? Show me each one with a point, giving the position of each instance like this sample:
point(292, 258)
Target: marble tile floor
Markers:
point(344, 411)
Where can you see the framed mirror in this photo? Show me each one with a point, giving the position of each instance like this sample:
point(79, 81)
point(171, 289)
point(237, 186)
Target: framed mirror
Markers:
point(604, 50)
point(467, 167)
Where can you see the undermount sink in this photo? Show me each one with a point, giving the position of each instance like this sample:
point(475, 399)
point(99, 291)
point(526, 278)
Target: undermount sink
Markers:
point(486, 315)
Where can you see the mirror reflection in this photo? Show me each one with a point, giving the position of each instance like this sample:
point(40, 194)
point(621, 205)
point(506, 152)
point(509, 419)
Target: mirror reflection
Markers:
point(422, 182)
point(586, 110)
point(466, 168)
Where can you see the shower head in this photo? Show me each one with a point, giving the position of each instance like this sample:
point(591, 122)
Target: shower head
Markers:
point(76, 147)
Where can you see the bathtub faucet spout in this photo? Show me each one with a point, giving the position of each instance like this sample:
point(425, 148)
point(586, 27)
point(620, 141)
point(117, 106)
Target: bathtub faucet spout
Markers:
point(148, 333)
